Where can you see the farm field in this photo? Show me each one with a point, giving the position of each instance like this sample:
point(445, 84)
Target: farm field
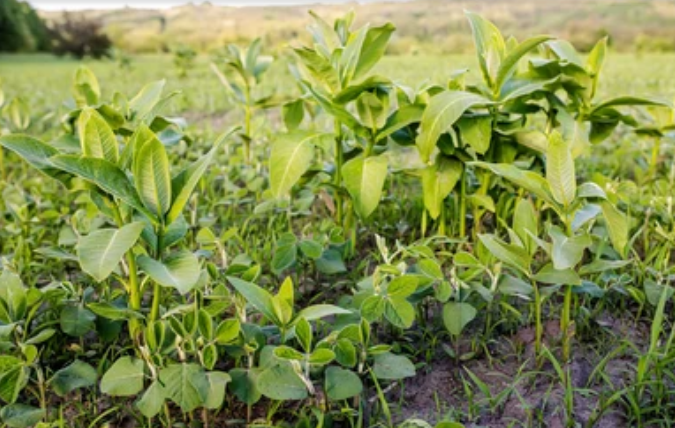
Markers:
point(334, 236)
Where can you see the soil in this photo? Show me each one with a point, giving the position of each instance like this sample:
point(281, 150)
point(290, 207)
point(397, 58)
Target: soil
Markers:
point(536, 397)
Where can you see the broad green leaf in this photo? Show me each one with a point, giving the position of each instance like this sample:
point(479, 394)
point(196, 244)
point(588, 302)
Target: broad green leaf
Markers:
point(402, 117)
point(372, 109)
point(490, 46)
point(550, 275)
point(153, 176)
point(509, 64)
point(14, 294)
point(258, 297)
point(96, 137)
point(86, 89)
point(280, 382)
point(333, 109)
point(438, 180)
point(291, 157)
point(13, 378)
point(180, 270)
point(456, 315)
point(598, 266)
point(152, 401)
point(101, 251)
point(595, 62)
point(440, 114)
point(186, 384)
point(103, 174)
point(330, 262)
point(528, 180)
point(244, 385)
point(217, 385)
point(351, 53)
point(146, 100)
point(185, 182)
point(76, 321)
point(321, 357)
point(315, 312)
point(373, 307)
point(399, 312)
point(525, 224)
point(388, 366)
point(123, 378)
point(342, 384)
point(512, 255)
point(374, 46)
point(512, 286)
point(227, 331)
point(21, 415)
point(591, 190)
point(402, 286)
point(364, 180)
point(476, 132)
point(560, 171)
point(617, 226)
point(318, 66)
point(76, 375)
point(353, 92)
point(627, 100)
point(36, 153)
point(566, 251)
point(113, 313)
point(565, 51)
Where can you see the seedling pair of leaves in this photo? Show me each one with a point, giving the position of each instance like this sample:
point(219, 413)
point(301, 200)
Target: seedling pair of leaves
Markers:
point(290, 252)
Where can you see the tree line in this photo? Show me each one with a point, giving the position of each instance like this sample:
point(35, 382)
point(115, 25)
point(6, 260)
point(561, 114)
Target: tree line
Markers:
point(22, 30)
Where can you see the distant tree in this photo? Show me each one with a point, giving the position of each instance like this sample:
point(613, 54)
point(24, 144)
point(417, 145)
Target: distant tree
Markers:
point(21, 29)
point(77, 36)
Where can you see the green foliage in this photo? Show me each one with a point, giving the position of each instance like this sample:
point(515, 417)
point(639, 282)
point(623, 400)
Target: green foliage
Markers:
point(149, 266)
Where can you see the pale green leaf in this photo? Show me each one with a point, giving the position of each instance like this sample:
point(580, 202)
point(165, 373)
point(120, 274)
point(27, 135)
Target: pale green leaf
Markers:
point(101, 251)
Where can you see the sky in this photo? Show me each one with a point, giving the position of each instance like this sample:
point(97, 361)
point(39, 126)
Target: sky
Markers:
point(162, 4)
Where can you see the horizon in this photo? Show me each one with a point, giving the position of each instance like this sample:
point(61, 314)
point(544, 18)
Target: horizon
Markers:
point(51, 5)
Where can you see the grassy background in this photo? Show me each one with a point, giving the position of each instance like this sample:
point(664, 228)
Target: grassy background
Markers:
point(44, 81)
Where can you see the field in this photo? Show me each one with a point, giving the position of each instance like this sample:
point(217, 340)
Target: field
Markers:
point(375, 240)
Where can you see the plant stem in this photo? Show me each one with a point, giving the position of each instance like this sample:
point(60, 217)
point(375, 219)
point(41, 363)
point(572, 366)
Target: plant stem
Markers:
point(462, 205)
point(565, 323)
point(157, 289)
point(134, 283)
point(339, 158)
point(538, 330)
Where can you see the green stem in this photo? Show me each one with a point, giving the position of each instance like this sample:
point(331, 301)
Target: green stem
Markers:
point(3, 173)
point(339, 158)
point(157, 289)
point(538, 330)
point(134, 283)
point(462, 205)
point(565, 323)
